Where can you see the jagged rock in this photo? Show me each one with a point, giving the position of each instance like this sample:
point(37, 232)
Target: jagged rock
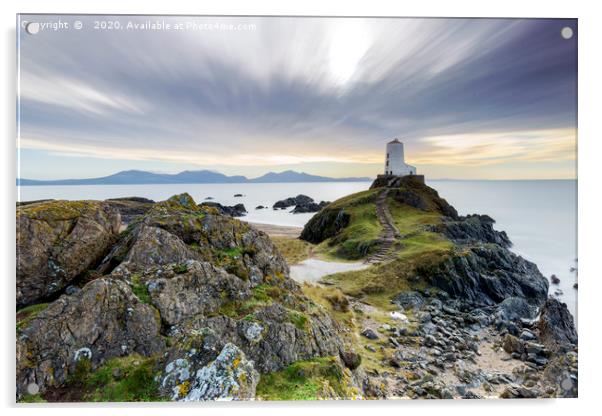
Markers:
point(237, 210)
point(231, 376)
point(200, 289)
point(324, 225)
point(57, 241)
point(292, 201)
point(350, 358)
point(148, 246)
point(556, 325)
point(486, 275)
point(512, 344)
point(103, 320)
point(515, 308)
point(272, 340)
point(199, 233)
point(309, 207)
point(130, 208)
point(409, 300)
point(473, 229)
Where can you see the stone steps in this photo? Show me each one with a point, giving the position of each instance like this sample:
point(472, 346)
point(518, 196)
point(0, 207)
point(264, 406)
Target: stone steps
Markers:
point(389, 234)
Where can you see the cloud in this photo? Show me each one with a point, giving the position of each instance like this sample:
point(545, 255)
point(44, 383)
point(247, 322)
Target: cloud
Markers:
point(304, 89)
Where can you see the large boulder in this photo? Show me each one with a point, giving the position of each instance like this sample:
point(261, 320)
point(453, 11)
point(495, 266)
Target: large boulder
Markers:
point(556, 325)
point(102, 321)
point(57, 241)
point(231, 376)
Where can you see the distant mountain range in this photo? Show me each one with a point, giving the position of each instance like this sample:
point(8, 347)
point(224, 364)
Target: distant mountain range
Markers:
point(139, 177)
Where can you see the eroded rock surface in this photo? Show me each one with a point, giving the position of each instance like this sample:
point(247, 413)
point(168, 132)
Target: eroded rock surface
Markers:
point(59, 240)
point(102, 321)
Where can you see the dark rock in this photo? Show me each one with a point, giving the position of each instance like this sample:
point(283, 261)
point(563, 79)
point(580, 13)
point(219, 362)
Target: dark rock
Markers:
point(238, 195)
point(292, 201)
point(260, 207)
point(327, 223)
point(556, 325)
point(515, 308)
point(554, 279)
point(130, 208)
point(575, 286)
point(527, 335)
point(409, 300)
point(59, 240)
point(471, 395)
point(237, 210)
point(473, 229)
point(486, 275)
point(351, 359)
point(369, 333)
point(309, 207)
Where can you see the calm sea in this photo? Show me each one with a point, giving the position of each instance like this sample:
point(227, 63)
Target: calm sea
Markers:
point(540, 217)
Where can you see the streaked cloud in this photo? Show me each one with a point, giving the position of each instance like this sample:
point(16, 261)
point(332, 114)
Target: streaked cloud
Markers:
point(303, 92)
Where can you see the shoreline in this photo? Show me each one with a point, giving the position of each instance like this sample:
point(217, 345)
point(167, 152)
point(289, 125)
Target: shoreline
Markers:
point(274, 230)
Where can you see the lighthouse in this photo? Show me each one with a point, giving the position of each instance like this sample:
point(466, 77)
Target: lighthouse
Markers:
point(395, 163)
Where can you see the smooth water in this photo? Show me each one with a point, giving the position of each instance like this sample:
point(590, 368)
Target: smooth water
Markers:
point(540, 217)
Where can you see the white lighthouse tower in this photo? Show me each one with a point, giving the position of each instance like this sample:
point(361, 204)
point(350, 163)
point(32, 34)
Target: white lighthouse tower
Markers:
point(394, 163)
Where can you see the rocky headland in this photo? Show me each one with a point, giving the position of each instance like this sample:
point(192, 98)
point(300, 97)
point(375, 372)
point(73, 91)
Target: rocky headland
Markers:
point(133, 300)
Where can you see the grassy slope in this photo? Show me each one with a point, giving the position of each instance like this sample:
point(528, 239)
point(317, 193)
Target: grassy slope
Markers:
point(360, 234)
point(418, 247)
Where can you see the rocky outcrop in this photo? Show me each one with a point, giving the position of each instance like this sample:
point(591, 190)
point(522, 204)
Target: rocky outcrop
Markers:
point(272, 336)
point(204, 296)
point(177, 229)
point(130, 208)
point(411, 191)
point(325, 225)
point(486, 275)
point(102, 321)
point(237, 210)
point(59, 240)
point(192, 288)
point(473, 229)
point(302, 204)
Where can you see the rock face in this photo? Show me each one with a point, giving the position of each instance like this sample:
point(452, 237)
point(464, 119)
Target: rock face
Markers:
point(231, 376)
point(473, 229)
point(130, 208)
point(198, 288)
point(177, 229)
point(556, 326)
point(59, 240)
point(325, 225)
point(488, 274)
point(102, 321)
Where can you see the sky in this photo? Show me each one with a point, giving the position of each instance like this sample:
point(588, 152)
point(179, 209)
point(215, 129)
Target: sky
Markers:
point(469, 98)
